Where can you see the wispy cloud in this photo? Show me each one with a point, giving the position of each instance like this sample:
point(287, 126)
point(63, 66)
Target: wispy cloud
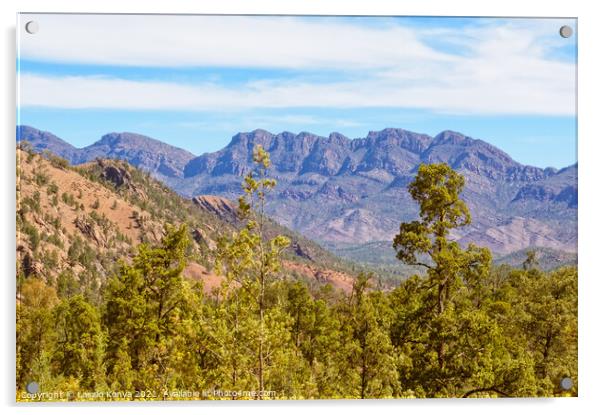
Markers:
point(502, 67)
point(180, 41)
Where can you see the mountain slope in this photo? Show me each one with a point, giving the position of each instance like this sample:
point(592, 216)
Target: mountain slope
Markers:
point(154, 156)
point(74, 224)
point(43, 140)
point(343, 191)
point(141, 151)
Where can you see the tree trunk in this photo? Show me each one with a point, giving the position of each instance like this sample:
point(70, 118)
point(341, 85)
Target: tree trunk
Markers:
point(261, 335)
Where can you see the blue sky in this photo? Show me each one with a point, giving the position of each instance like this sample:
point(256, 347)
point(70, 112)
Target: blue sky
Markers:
point(194, 81)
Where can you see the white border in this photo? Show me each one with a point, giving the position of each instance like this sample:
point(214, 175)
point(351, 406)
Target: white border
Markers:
point(590, 203)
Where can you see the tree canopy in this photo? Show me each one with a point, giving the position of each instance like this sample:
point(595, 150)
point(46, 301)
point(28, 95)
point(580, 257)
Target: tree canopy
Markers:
point(462, 328)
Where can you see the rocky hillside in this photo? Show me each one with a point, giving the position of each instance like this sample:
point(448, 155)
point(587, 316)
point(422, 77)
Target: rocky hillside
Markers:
point(154, 156)
point(220, 206)
point(74, 225)
point(341, 191)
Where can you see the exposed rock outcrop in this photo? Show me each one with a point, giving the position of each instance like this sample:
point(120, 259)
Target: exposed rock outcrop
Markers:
point(220, 206)
point(90, 230)
point(116, 175)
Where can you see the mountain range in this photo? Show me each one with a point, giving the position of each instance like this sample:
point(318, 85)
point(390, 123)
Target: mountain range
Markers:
point(347, 193)
point(161, 159)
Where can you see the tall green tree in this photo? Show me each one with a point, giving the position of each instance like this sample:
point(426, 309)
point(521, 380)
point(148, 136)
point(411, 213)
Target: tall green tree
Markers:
point(145, 304)
point(545, 324)
point(455, 347)
point(426, 242)
point(323, 339)
point(252, 261)
point(373, 356)
point(80, 342)
point(35, 334)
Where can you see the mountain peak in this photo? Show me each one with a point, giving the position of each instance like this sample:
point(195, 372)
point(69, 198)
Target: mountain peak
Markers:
point(113, 136)
point(414, 142)
point(336, 135)
point(389, 131)
point(451, 137)
point(132, 139)
point(43, 140)
point(33, 135)
point(142, 151)
point(252, 138)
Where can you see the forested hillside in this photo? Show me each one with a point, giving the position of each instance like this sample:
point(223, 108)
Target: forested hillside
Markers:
point(109, 305)
point(76, 222)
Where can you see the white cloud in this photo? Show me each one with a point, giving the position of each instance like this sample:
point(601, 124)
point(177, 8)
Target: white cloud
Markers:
point(504, 68)
point(180, 41)
point(471, 95)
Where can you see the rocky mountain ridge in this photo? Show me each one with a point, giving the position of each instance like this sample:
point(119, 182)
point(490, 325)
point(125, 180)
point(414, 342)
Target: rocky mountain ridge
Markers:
point(143, 152)
point(338, 190)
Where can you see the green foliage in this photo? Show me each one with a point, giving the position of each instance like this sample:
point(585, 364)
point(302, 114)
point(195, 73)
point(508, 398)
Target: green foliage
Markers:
point(50, 258)
point(32, 202)
point(437, 188)
point(66, 284)
point(144, 305)
point(52, 188)
point(58, 162)
point(35, 334)
point(463, 328)
point(68, 199)
point(79, 343)
point(372, 352)
point(55, 239)
point(531, 261)
point(40, 177)
point(547, 321)
point(101, 220)
point(454, 324)
point(252, 261)
point(34, 235)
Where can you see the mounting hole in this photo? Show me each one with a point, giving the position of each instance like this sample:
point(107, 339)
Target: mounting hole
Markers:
point(32, 27)
point(33, 387)
point(566, 383)
point(566, 31)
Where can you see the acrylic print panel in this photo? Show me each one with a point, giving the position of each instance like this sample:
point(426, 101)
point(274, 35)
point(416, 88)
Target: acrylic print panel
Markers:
point(295, 207)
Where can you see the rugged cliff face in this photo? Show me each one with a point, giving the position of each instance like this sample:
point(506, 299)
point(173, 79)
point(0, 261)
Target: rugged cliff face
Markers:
point(354, 191)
